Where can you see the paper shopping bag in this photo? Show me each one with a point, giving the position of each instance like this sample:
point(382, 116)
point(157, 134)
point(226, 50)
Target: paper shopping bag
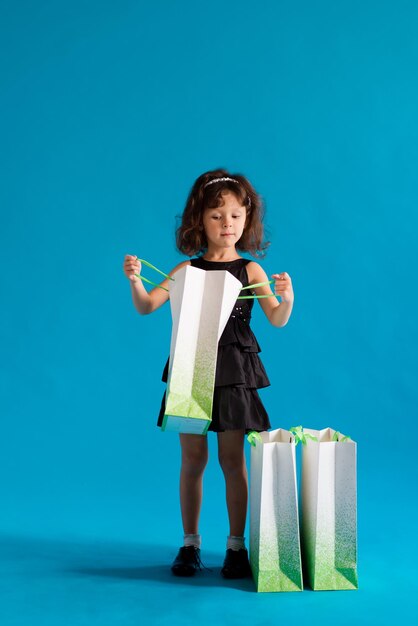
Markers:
point(201, 303)
point(329, 510)
point(275, 554)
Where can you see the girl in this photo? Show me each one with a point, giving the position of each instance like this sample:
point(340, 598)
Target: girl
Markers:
point(223, 214)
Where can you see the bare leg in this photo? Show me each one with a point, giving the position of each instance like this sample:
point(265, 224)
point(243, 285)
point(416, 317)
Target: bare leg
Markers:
point(194, 457)
point(232, 461)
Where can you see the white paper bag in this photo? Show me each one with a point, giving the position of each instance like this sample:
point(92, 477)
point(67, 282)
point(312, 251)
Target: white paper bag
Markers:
point(201, 303)
point(275, 555)
point(329, 511)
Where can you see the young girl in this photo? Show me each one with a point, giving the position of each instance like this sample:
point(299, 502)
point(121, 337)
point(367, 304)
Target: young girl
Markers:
point(223, 214)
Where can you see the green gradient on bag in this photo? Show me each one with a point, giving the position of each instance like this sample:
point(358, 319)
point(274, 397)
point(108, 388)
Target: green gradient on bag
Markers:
point(278, 569)
point(197, 405)
point(275, 554)
point(181, 403)
point(331, 565)
point(329, 517)
point(204, 374)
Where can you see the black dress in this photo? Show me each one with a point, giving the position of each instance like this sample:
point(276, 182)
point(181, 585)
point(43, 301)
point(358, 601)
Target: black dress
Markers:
point(239, 370)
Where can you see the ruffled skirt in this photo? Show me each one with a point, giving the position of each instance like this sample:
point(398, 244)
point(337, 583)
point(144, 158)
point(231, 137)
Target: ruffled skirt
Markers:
point(234, 407)
point(239, 373)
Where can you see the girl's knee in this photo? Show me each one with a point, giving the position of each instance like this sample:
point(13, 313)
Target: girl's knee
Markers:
point(193, 463)
point(232, 463)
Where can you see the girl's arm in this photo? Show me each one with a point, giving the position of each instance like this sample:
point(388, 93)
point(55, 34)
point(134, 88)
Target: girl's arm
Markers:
point(146, 303)
point(277, 313)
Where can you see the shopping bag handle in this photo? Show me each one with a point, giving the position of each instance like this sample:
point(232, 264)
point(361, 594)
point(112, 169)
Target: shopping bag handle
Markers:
point(171, 278)
point(301, 436)
point(297, 431)
point(336, 437)
point(157, 270)
point(253, 437)
point(268, 295)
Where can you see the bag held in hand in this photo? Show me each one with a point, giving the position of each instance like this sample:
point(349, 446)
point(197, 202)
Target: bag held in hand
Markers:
point(201, 303)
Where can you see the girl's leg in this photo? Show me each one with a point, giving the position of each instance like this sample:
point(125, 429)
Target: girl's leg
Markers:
point(194, 457)
point(232, 461)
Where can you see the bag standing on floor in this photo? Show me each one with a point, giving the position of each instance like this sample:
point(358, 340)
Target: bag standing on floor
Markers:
point(329, 510)
point(275, 554)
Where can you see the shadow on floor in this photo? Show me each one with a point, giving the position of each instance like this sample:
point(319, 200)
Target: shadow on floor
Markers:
point(113, 560)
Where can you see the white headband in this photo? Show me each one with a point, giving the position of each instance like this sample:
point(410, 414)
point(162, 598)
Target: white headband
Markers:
point(218, 180)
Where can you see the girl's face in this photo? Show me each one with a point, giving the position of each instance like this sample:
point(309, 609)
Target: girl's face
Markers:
point(224, 225)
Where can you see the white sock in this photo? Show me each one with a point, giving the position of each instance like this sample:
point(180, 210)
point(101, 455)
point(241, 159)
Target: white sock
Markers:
point(192, 540)
point(235, 542)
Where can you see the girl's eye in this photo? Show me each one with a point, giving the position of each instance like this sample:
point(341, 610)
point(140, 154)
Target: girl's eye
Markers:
point(215, 217)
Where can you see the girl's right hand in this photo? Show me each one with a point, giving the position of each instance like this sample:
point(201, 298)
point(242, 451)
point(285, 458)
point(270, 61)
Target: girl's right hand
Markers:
point(132, 266)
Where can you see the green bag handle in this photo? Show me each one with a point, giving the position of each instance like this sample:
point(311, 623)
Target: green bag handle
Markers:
point(253, 437)
point(336, 437)
point(157, 270)
point(297, 431)
point(300, 436)
point(268, 295)
point(171, 278)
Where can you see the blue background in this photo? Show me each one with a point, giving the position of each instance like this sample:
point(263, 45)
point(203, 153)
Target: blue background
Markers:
point(109, 112)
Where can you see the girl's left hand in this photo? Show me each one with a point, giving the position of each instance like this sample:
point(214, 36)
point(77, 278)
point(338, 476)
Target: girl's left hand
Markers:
point(283, 287)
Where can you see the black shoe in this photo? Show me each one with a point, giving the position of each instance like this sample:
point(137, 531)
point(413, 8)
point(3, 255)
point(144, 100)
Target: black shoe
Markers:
point(236, 564)
point(187, 561)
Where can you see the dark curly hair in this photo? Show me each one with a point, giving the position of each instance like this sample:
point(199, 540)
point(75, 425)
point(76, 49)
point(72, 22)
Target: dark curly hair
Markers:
point(190, 235)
